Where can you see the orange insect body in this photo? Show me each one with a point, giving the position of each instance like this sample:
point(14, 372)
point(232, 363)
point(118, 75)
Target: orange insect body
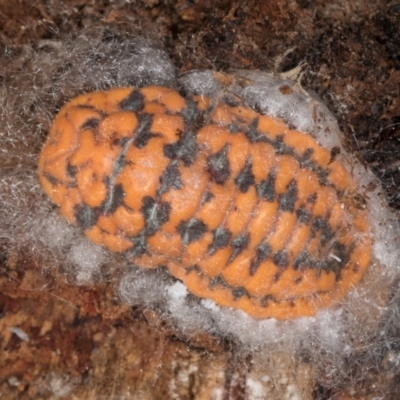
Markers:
point(241, 208)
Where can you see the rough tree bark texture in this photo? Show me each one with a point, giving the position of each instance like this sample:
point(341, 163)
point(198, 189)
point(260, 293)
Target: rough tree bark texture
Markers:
point(82, 342)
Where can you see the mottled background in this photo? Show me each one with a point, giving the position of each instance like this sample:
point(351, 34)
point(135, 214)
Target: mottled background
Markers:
point(82, 342)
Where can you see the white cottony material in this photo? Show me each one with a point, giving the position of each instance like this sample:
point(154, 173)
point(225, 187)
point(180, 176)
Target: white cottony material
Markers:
point(56, 71)
point(87, 258)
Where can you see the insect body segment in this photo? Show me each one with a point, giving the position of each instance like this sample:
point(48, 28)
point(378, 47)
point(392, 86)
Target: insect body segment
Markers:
point(241, 208)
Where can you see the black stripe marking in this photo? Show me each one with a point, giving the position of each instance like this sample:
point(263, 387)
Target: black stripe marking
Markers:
point(170, 179)
point(218, 166)
point(191, 230)
point(143, 133)
point(86, 217)
point(221, 238)
point(185, 149)
point(288, 199)
point(238, 244)
point(263, 251)
point(134, 102)
point(281, 259)
point(155, 214)
point(266, 188)
point(245, 178)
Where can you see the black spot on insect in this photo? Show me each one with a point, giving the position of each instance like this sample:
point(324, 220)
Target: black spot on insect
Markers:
point(305, 157)
point(282, 148)
point(234, 128)
point(253, 135)
point(120, 161)
point(231, 100)
point(207, 196)
point(238, 292)
point(170, 179)
point(245, 178)
point(190, 112)
point(302, 261)
point(191, 230)
point(340, 194)
point(221, 238)
point(51, 179)
point(143, 133)
point(321, 224)
point(85, 216)
point(155, 214)
point(263, 251)
point(264, 302)
point(266, 188)
point(288, 199)
point(139, 245)
point(121, 141)
point(238, 244)
point(323, 174)
point(216, 281)
point(312, 198)
point(114, 199)
point(71, 170)
point(85, 107)
point(298, 280)
point(119, 164)
point(303, 215)
point(91, 123)
point(281, 259)
point(133, 102)
point(338, 256)
point(218, 165)
point(184, 149)
point(193, 268)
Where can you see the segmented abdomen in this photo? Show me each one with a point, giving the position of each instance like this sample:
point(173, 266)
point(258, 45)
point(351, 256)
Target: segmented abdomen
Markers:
point(241, 208)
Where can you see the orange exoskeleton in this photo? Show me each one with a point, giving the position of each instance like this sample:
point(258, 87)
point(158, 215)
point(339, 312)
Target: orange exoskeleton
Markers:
point(239, 206)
